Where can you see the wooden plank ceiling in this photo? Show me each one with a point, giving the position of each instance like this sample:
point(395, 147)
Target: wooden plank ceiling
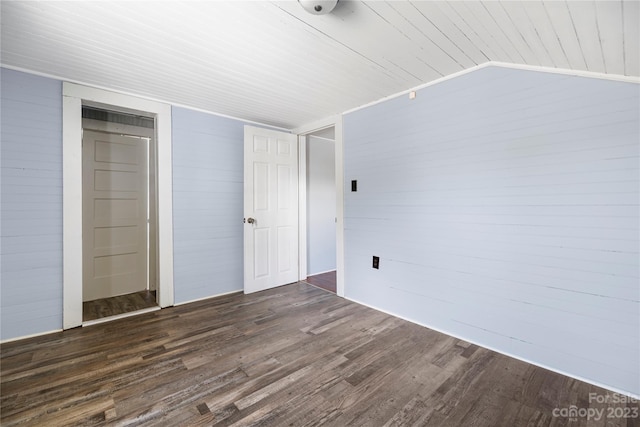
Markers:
point(272, 62)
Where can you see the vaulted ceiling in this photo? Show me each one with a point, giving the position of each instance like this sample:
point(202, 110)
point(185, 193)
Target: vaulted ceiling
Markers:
point(274, 63)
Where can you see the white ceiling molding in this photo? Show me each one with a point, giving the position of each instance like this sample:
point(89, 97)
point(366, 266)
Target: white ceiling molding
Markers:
point(566, 71)
point(271, 62)
point(147, 98)
point(577, 73)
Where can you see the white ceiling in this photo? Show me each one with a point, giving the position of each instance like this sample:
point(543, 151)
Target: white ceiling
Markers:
point(272, 62)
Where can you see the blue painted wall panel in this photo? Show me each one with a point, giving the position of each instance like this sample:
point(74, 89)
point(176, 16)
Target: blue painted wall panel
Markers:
point(208, 199)
point(208, 204)
point(503, 205)
point(31, 223)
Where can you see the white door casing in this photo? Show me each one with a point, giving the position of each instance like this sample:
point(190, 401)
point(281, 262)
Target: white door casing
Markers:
point(335, 121)
point(115, 188)
point(270, 208)
point(74, 96)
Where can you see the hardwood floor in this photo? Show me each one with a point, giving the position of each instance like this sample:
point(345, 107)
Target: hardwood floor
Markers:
point(105, 307)
point(291, 356)
point(326, 281)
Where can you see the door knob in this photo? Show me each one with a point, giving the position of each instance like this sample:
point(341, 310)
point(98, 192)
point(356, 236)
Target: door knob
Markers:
point(251, 220)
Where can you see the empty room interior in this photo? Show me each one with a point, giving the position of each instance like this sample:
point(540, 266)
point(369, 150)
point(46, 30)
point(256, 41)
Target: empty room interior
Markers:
point(306, 213)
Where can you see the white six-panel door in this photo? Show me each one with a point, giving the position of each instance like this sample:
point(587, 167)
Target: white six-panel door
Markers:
point(270, 208)
point(115, 212)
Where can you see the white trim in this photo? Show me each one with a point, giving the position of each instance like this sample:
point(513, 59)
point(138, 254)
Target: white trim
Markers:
point(340, 262)
point(505, 353)
point(226, 116)
point(422, 86)
point(72, 211)
point(148, 98)
point(539, 68)
point(239, 291)
point(322, 138)
point(316, 126)
point(119, 316)
point(336, 122)
point(566, 71)
point(322, 272)
point(577, 73)
point(302, 207)
point(24, 337)
point(73, 97)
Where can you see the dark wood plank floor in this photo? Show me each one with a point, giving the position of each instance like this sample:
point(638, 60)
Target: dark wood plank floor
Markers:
point(105, 307)
point(291, 356)
point(325, 281)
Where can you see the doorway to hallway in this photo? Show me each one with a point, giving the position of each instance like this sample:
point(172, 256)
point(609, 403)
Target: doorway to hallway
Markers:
point(326, 281)
point(321, 208)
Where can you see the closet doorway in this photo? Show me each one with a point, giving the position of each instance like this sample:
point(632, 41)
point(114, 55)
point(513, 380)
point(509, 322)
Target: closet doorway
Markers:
point(118, 213)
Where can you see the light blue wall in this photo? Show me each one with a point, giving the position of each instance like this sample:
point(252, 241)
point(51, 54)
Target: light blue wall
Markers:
point(207, 204)
point(31, 204)
point(504, 207)
point(207, 200)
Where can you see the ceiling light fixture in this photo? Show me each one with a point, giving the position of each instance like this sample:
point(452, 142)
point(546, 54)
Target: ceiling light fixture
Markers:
point(318, 7)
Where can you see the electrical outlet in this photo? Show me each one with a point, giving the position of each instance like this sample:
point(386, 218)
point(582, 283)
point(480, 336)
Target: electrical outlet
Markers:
point(354, 185)
point(376, 262)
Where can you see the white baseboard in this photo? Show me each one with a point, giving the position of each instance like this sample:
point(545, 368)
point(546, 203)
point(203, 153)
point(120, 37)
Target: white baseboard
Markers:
point(24, 337)
point(497, 350)
point(209, 297)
